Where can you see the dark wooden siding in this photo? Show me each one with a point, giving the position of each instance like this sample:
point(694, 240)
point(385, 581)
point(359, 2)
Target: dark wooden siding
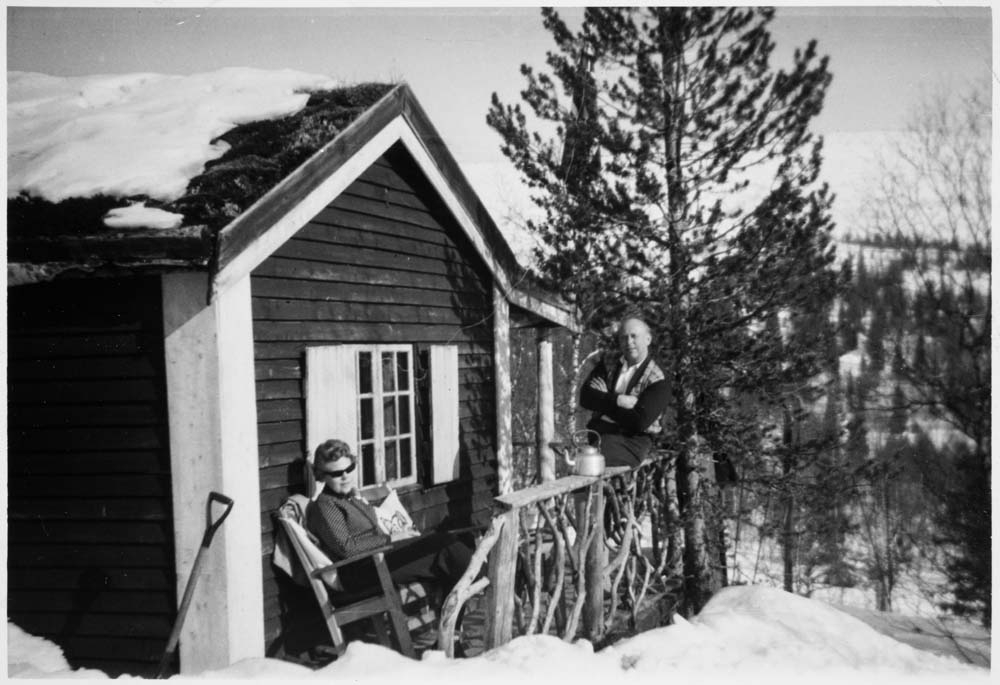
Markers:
point(91, 549)
point(384, 263)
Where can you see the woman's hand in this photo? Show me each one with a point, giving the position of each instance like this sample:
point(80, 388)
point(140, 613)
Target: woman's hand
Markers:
point(403, 534)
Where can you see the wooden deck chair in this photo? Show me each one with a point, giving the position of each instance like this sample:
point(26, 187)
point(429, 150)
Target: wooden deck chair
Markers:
point(320, 573)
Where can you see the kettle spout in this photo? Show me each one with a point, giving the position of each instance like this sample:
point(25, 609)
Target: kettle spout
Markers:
point(563, 450)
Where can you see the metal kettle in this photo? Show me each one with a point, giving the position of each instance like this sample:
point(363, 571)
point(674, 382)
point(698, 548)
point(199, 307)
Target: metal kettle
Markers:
point(589, 460)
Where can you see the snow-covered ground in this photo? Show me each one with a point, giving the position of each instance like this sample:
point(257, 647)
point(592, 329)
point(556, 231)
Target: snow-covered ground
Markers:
point(745, 633)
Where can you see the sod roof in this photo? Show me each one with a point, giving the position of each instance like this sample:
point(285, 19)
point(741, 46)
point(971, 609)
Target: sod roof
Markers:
point(260, 155)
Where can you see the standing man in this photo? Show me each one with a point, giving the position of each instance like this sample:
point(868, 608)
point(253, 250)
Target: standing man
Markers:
point(628, 396)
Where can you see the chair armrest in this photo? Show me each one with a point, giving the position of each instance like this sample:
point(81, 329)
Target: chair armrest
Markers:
point(350, 560)
point(368, 554)
point(475, 528)
point(318, 573)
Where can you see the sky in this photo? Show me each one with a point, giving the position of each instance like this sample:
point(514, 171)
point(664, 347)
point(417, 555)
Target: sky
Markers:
point(765, 635)
point(883, 59)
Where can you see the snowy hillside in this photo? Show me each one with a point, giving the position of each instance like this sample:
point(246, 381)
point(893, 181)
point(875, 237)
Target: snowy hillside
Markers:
point(890, 450)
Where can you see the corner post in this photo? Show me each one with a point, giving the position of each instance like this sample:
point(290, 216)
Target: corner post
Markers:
point(546, 407)
point(213, 446)
point(502, 574)
point(501, 374)
point(596, 561)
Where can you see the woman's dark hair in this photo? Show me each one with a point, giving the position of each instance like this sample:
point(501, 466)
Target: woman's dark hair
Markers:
point(332, 450)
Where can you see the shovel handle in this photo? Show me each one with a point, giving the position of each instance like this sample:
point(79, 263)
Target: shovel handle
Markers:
point(192, 581)
point(214, 526)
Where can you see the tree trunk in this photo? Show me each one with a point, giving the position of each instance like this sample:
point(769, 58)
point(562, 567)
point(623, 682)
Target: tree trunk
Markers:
point(546, 404)
point(674, 530)
point(788, 543)
point(717, 536)
point(698, 577)
point(788, 524)
point(575, 379)
point(889, 574)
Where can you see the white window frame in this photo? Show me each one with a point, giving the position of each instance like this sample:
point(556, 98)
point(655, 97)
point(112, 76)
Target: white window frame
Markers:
point(333, 407)
point(378, 395)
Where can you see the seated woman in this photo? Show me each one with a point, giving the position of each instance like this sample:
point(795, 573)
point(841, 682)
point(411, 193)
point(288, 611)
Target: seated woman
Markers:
point(346, 525)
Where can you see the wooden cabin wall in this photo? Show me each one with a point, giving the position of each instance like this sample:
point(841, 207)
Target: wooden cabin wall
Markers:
point(384, 263)
point(90, 532)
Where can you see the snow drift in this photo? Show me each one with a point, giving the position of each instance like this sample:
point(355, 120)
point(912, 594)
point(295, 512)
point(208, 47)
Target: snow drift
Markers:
point(751, 633)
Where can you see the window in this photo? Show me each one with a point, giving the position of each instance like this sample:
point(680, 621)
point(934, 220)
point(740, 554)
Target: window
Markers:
point(365, 395)
point(386, 444)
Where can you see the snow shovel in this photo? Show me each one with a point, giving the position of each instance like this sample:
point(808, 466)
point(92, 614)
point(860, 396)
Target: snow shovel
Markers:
point(206, 541)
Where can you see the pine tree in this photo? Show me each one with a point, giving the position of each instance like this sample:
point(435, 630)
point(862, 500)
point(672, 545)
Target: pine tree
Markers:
point(875, 342)
point(898, 358)
point(827, 515)
point(660, 116)
point(847, 325)
point(899, 412)
point(863, 284)
point(919, 353)
point(856, 447)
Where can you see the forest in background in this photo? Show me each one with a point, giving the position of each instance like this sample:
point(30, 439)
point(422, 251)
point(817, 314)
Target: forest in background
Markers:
point(831, 412)
point(883, 507)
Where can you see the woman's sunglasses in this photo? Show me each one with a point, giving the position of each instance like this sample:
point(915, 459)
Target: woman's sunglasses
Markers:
point(338, 473)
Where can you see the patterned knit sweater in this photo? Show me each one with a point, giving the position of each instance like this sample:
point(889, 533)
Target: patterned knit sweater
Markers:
point(648, 384)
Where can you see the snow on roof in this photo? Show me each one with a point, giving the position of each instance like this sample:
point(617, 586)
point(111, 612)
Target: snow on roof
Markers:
point(150, 142)
point(134, 134)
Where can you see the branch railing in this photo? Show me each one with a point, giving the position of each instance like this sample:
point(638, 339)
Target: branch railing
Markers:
point(554, 550)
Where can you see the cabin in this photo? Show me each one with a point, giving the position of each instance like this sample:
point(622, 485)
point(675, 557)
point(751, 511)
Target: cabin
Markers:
point(331, 279)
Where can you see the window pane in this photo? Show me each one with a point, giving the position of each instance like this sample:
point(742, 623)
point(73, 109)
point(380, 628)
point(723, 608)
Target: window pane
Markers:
point(403, 370)
point(391, 471)
point(404, 414)
point(405, 459)
point(389, 416)
point(388, 377)
point(365, 372)
point(367, 419)
point(368, 464)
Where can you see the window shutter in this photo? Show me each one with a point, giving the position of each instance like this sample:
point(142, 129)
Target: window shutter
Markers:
point(444, 412)
point(331, 397)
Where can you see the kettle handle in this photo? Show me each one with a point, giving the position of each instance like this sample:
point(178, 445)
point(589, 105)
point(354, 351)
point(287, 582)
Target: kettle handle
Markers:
point(585, 431)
